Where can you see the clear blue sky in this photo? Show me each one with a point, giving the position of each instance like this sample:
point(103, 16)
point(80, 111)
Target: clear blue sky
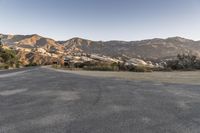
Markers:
point(101, 19)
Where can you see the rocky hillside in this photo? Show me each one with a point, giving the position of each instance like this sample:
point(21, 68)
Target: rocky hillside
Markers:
point(30, 42)
point(35, 48)
point(145, 49)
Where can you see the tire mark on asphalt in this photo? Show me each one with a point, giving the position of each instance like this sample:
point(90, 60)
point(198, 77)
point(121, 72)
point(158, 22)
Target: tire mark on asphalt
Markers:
point(98, 97)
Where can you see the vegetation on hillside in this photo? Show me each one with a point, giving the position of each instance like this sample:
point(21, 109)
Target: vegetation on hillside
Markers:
point(184, 62)
point(8, 58)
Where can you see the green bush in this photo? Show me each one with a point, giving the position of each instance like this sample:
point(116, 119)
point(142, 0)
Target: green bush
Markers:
point(8, 58)
point(31, 64)
point(98, 68)
point(56, 66)
point(4, 66)
point(184, 62)
point(141, 69)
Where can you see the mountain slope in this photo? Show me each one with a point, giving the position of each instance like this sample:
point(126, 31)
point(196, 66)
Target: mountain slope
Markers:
point(34, 48)
point(145, 49)
point(30, 42)
point(152, 49)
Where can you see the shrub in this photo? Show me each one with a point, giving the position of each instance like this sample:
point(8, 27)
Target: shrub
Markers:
point(31, 64)
point(141, 69)
point(4, 66)
point(98, 68)
point(184, 62)
point(56, 66)
point(8, 57)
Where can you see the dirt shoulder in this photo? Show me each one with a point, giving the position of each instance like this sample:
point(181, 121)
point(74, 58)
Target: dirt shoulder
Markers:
point(189, 77)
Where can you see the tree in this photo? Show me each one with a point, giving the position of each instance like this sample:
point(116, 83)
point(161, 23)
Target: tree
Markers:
point(0, 42)
point(6, 57)
point(183, 62)
point(1, 48)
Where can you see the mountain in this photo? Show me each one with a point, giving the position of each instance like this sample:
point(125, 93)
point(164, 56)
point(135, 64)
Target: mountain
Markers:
point(30, 42)
point(145, 49)
point(32, 48)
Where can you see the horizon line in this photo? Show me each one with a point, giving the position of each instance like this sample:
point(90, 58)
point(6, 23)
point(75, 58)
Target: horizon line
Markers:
point(45, 36)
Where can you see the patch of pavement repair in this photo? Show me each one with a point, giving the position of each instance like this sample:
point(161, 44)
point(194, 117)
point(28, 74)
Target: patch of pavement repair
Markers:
point(12, 92)
point(183, 104)
point(68, 96)
point(146, 119)
point(60, 95)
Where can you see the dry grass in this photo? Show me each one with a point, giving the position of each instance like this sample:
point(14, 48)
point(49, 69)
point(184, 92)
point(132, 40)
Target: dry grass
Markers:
point(189, 77)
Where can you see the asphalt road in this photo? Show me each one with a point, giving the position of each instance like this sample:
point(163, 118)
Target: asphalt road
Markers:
point(40, 100)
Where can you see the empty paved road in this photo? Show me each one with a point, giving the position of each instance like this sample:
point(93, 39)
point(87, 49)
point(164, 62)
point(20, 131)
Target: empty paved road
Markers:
point(40, 100)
